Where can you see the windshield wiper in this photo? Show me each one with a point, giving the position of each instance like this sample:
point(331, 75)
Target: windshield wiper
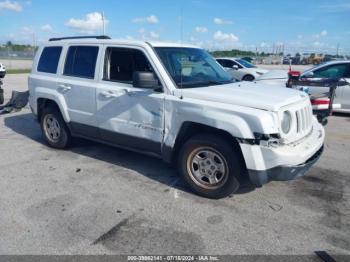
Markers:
point(202, 83)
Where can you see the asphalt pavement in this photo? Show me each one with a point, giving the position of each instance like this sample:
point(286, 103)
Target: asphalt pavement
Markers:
point(96, 199)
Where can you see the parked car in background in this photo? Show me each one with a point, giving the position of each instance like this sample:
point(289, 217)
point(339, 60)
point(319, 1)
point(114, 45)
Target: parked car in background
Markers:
point(248, 59)
point(332, 69)
point(2, 70)
point(294, 60)
point(240, 69)
point(2, 75)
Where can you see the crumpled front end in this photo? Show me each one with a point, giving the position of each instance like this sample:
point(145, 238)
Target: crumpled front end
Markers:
point(284, 162)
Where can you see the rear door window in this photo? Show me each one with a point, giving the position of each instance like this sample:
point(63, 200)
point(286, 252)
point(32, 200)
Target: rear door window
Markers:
point(81, 61)
point(49, 59)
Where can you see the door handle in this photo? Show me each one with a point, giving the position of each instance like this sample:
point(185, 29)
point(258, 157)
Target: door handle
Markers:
point(64, 87)
point(108, 94)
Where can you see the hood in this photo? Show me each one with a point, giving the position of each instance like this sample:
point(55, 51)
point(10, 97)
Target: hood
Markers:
point(261, 70)
point(249, 94)
point(274, 74)
point(257, 70)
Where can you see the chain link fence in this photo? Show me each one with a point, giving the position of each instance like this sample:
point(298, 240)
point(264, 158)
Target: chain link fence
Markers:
point(15, 59)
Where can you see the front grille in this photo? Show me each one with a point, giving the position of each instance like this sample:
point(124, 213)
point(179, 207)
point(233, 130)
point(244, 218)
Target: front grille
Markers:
point(304, 119)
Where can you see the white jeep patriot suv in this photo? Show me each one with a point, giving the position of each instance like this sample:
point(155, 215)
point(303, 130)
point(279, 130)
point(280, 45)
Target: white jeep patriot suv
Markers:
point(177, 103)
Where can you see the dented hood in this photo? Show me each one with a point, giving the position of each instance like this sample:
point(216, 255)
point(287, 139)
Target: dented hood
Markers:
point(249, 94)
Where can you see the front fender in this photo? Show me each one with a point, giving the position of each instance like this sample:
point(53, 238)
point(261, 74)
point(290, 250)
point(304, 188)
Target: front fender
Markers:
point(240, 122)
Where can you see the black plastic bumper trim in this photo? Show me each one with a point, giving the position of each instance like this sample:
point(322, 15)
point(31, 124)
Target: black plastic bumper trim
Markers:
point(283, 173)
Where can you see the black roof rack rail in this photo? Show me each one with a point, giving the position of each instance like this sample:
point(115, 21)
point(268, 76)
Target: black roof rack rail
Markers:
point(79, 37)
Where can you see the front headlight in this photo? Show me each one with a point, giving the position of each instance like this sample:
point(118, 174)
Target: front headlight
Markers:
point(286, 122)
point(259, 73)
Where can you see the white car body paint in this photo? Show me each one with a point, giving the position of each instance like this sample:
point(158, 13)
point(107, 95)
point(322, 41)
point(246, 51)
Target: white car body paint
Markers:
point(2, 68)
point(242, 71)
point(2, 71)
point(239, 74)
point(241, 109)
point(274, 77)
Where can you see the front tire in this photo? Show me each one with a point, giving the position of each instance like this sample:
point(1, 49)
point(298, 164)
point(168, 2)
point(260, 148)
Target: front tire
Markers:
point(1, 95)
point(54, 128)
point(249, 78)
point(210, 166)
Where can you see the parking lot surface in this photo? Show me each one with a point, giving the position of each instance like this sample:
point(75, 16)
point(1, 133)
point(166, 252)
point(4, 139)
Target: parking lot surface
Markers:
point(96, 199)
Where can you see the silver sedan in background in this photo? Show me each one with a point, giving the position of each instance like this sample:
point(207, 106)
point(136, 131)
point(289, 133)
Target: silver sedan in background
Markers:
point(333, 69)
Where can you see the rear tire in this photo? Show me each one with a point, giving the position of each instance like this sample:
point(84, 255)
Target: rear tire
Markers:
point(249, 78)
point(54, 128)
point(210, 166)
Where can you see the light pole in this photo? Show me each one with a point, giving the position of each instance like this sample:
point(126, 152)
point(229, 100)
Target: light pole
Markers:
point(103, 23)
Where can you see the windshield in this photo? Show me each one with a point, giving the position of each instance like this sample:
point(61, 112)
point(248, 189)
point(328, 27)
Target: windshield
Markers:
point(245, 63)
point(192, 67)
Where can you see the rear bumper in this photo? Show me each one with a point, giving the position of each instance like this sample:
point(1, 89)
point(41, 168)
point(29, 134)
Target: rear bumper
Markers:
point(283, 173)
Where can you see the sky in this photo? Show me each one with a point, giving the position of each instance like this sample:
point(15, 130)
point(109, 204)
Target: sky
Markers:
point(298, 25)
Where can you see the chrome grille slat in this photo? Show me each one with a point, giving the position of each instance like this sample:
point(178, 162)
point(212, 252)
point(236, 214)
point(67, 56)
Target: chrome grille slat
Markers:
point(304, 119)
point(297, 117)
point(301, 120)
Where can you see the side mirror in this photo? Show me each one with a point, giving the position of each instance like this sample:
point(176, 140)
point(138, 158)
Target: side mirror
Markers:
point(309, 74)
point(235, 67)
point(147, 80)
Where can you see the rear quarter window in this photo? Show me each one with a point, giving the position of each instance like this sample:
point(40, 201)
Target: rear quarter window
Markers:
point(81, 61)
point(49, 59)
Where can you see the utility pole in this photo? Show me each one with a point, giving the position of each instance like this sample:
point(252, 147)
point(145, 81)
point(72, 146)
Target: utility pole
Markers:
point(34, 44)
point(337, 49)
point(103, 24)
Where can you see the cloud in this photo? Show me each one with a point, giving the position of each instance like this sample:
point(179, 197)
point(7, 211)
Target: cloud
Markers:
point(89, 24)
point(217, 45)
point(221, 41)
point(152, 19)
point(12, 6)
point(300, 36)
point(220, 36)
point(201, 29)
point(46, 28)
point(142, 31)
point(154, 35)
point(317, 44)
point(264, 44)
point(193, 39)
point(324, 33)
point(145, 35)
point(335, 8)
point(26, 34)
point(27, 30)
point(220, 21)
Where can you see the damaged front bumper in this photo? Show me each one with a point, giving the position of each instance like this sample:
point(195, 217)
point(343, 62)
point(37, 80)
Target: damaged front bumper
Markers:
point(283, 173)
point(283, 162)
